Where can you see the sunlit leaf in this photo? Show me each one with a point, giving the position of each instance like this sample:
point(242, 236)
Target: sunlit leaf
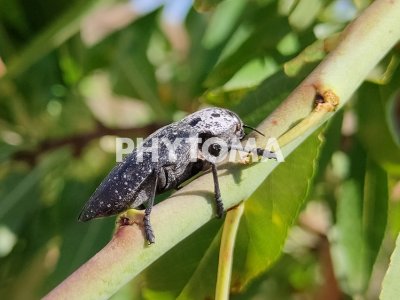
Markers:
point(390, 285)
point(304, 13)
point(223, 20)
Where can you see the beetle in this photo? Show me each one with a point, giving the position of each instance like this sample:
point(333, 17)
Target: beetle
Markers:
point(139, 177)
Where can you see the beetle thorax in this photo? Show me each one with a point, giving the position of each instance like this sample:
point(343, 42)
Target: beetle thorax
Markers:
point(216, 122)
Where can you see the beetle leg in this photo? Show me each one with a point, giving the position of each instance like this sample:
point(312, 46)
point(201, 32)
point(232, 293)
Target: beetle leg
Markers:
point(218, 200)
point(260, 152)
point(147, 225)
point(265, 153)
point(148, 230)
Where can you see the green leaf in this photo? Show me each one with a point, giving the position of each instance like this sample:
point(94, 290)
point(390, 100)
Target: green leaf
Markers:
point(132, 73)
point(222, 21)
point(333, 137)
point(350, 240)
point(374, 129)
point(271, 211)
point(252, 73)
point(268, 215)
point(166, 282)
point(361, 223)
point(6, 151)
point(79, 243)
point(253, 103)
point(375, 212)
point(226, 98)
point(393, 116)
point(201, 284)
point(269, 30)
point(16, 191)
point(312, 53)
point(53, 36)
point(268, 95)
point(205, 5)
point(390, 285)
point(305, 13)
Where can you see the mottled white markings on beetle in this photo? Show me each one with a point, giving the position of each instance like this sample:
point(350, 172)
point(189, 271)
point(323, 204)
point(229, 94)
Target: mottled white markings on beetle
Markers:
point(155, 167)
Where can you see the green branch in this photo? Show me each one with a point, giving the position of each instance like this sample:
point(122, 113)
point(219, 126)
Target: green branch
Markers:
point(231, 225)
point(362, 46)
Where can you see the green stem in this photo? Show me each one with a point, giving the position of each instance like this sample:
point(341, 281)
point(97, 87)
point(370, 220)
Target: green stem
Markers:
point(321, 110)
point(362, 46)
point(229, 232)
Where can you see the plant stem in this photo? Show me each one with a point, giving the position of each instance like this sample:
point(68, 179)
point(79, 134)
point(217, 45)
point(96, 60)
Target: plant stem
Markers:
point(362, 45)
point(229, 232)
point(327, 105)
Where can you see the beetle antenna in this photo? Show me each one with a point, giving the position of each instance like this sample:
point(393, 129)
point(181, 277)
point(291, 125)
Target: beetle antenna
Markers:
point(252, 128)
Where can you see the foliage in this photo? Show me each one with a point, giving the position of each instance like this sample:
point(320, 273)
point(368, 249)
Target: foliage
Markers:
point(62, 102)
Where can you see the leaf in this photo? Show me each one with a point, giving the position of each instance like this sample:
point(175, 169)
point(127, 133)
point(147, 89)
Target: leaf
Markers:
point(222, 21)
point(252, 74)
point(77, 241)
point(131, 70)
point(271, 211)
point(390, 285)
point(393, 116)
point(269, 30)
point(26, 216)
point(205, 5)
point(6, 151)
point(201, 284)
point(17, 189)
point(333, 137)
point(250, 103)
point(268, 95)
point(202, 56)
point(376, 198)
point(361, 223)
point(53, 36)
point(268, 215)
point(166, 282)
point(374, 131)
point(304, 13)
point(312, 53)
point(226, 98)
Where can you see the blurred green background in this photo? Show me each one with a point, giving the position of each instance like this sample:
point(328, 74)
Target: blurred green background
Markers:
point(76, 74)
